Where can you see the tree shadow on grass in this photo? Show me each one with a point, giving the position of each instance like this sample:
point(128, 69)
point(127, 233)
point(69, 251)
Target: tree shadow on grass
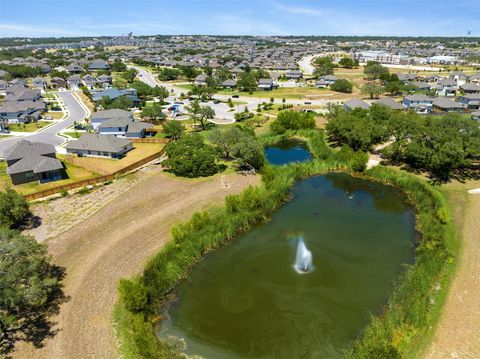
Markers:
point(35, 324)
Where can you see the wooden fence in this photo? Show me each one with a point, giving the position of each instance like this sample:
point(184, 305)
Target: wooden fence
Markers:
point(95, 180)
point(149, 140)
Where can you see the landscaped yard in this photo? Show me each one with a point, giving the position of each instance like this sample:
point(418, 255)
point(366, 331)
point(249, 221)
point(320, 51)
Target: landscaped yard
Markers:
point(107, 166)
point(56, 115)
point(28, 127)
point(74, 173)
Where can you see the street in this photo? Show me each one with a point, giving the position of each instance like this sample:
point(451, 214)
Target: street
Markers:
point(76, 112)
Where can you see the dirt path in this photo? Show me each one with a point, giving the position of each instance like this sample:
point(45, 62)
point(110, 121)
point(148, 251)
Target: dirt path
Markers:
point(114, 243)
point(458, 331)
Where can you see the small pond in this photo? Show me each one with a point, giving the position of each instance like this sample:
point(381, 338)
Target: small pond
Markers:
point(287, 151)
point(246, 300)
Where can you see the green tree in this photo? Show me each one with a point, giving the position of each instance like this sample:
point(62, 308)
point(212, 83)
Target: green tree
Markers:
point(347, 62)
point(29, 289)
point(129, 75)
point(372, 89)
point(323, 66)
point(200, 113)
point(118, 66)
point(168, 74)
point(394, 87)
point(190, 156)
point(247, 82)
point(153, 114)
point(160, 92)
point(173, 129)
point(240, 145)
point(292, 120)
point(222, 74)
point(374, 71)
point(13, 209)
point(342, 85)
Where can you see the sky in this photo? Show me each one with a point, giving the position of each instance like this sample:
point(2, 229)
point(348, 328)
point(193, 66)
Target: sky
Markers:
point(45, 18)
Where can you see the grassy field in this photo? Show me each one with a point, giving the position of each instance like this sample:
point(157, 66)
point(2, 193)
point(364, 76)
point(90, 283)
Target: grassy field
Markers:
point(74, 173)
point(106, 166)
point(28, 127)
point(56, 115)
point(73, 134)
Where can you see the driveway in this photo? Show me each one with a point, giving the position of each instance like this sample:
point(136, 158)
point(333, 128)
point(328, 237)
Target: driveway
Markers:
point(76, 112)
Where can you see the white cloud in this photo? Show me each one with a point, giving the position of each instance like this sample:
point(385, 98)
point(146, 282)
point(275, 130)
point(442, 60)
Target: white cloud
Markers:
point(30, 30)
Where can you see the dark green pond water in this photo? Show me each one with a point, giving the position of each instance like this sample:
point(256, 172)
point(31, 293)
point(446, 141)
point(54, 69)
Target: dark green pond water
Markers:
point(247, 301)
point(287, 151)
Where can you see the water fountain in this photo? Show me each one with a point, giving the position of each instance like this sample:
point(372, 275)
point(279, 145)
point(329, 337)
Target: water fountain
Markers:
point(303, 261)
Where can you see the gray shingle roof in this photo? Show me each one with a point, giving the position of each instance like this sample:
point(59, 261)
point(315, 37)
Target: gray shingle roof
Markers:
point(113, 113)
point(25, 148)
point(95, 142)
point(35, 163)
point(356, 103)
point(389, 102)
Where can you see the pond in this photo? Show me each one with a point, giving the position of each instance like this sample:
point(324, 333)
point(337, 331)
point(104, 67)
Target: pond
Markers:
point(247, 300)
point(287, 151)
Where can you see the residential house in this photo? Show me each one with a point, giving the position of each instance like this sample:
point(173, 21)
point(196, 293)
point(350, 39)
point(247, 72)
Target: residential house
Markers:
point(123, 127)
point(443, 104)
point(356, 103)
point(105, 81)
point(74, 82)
point(471, 101)
point(113, 93)
point(39, 83)
point(294, 75)
point(325, 81)
point(94, 144)
point(447, 87)
point(390, 103)
point(75, 68)
point(201, 80)
point(266, 84)
point(459, 77)
point(33, 161)
point(98, 65)
point(58, 83)
point(469, 88)
point(98, 117)
point(476, 115)
point(89, 81)
point(418, 102)
point(21, 105)
point(421, 85)
point(229, 84)
point(475, 79)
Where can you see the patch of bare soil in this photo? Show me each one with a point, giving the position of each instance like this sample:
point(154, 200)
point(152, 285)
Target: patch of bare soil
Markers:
point(113, 243)
point(458, 331)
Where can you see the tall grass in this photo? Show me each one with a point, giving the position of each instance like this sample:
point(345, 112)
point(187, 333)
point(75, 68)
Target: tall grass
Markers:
point(409, 310)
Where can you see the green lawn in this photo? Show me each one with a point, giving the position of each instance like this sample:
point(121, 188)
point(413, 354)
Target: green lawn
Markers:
point(74, 174)
point(287, 93)
point(28, 127)
point(73, 134)
point(56, 115)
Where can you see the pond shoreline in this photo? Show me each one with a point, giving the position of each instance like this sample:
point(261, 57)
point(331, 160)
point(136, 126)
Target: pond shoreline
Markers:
point(257, 204)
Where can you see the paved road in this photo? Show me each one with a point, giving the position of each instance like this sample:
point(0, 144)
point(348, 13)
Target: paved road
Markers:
point(221, 109)
point(76, 112)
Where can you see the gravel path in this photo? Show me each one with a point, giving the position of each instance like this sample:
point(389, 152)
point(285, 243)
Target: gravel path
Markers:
point(458, 332)
point(113, 243)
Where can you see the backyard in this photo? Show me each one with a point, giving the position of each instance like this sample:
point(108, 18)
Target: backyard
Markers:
point(105, 166)
point(74, 173)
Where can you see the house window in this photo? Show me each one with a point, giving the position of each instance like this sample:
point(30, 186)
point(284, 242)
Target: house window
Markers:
point(29, 176)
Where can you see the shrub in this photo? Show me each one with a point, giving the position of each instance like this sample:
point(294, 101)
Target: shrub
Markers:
point(342, 85)
point(13, 209)
point(292, 120)
point(191, 157)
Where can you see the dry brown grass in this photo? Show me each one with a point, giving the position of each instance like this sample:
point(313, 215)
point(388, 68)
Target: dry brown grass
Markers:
point(105, 166)
point(115, 243)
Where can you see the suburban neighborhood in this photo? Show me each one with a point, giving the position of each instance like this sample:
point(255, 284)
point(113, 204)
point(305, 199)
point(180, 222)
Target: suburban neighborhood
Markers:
point(270, 179)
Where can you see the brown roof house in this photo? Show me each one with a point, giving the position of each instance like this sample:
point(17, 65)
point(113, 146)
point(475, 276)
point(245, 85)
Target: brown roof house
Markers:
point(33, 161)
